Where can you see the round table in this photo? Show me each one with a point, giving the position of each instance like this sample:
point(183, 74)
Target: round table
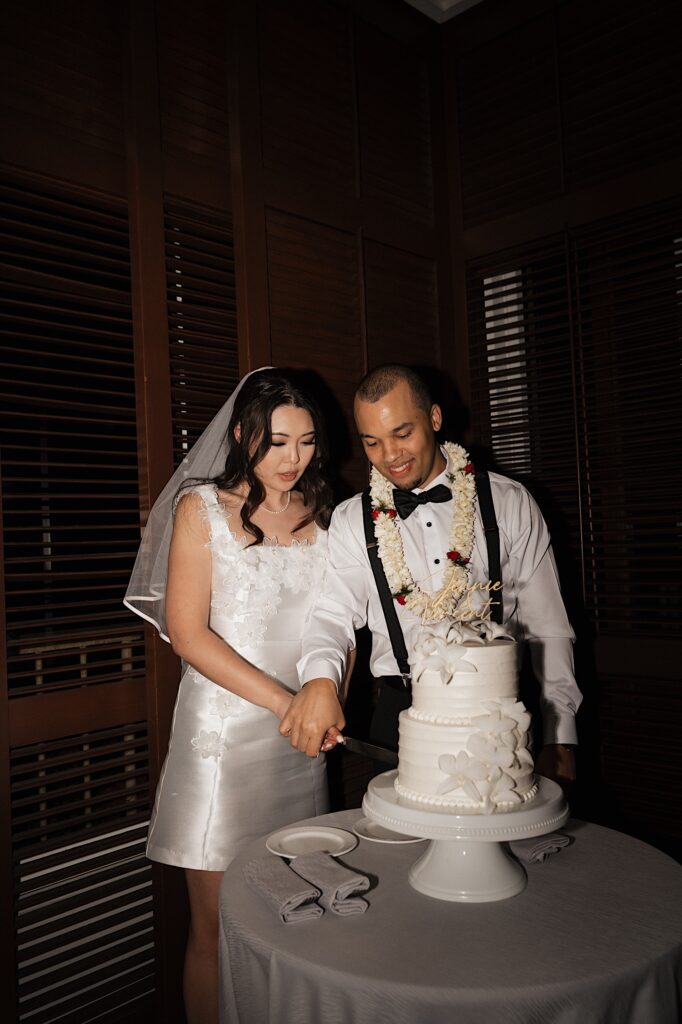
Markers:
point(594, 938)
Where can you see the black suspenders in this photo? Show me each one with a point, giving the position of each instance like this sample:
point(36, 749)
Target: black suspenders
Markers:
point(492, 540)
point(395, 632)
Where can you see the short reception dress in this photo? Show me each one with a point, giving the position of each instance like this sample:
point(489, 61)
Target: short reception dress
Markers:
point(229, 776)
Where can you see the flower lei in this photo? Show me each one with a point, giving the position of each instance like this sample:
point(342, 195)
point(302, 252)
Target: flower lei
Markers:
point(440, 604)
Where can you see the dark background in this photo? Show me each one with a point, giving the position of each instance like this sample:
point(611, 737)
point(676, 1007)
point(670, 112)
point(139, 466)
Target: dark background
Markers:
point(190, 190)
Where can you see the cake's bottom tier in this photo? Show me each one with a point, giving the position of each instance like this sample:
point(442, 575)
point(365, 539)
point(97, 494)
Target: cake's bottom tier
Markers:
point(455, 766)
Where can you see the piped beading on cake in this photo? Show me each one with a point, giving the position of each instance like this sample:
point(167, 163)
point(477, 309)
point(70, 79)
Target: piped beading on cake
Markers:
point(464, 741)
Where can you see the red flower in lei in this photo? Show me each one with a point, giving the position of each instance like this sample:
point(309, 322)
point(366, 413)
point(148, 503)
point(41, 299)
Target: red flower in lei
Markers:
point(390, 512)
point(455, 556)
point(469, 468)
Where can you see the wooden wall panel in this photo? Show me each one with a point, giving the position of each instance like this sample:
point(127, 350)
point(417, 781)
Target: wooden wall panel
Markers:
point(61, 90)
point(621, 87)
point(61, 66)
point(394, 106)
point(401, 305)
point(315, 300)
point(193, 88)
point(347, 142)
point(316, 307)
point(307, 95)
point(553, 97)
point(507, 111)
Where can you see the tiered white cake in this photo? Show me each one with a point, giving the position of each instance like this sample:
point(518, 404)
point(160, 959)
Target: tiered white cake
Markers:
point(464, 741)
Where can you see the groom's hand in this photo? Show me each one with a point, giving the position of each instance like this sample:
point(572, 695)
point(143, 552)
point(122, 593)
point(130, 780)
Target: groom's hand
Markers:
point(314, 710)
point(556, 761)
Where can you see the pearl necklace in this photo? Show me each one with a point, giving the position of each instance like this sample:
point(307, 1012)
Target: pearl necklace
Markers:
point(278, 511)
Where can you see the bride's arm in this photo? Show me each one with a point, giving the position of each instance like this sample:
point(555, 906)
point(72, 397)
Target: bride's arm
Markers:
point(188, 604)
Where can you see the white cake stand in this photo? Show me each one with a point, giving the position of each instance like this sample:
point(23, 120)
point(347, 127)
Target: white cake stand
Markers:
point(466, 861)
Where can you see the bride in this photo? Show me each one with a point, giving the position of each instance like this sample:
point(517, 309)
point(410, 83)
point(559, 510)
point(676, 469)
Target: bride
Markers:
point(229, 569)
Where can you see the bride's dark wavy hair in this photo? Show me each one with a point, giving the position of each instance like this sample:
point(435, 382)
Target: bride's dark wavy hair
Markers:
point(258, 398)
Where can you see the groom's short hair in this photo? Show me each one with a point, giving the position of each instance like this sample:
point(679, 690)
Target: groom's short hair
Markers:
point(378, 382)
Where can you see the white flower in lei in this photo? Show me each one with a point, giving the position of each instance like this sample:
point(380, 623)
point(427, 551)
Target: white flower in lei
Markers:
point(440, 604)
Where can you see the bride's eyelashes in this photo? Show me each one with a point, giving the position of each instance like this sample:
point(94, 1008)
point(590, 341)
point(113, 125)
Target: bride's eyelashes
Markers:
point(304, 444)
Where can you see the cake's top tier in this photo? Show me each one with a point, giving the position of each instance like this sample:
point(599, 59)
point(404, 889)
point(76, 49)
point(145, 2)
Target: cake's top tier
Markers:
point(456, 667)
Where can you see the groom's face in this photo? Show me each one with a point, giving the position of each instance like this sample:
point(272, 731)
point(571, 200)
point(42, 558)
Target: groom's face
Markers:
point(399, 437)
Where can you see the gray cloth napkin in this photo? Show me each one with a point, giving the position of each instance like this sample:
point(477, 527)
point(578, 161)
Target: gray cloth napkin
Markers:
point(538, 848)
point(285, 891)
point(339, 884)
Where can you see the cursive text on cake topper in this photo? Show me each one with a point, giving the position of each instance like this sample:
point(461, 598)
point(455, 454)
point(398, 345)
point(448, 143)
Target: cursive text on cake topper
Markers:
point(465, 610)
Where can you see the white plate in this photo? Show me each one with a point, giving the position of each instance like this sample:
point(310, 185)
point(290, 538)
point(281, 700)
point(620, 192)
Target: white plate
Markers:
point(297, 839)
point(368, 829)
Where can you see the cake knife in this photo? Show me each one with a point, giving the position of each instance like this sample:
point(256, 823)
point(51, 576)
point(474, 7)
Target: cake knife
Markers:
point(371, 750)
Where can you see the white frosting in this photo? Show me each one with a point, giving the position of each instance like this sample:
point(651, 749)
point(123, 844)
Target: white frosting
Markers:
point(463, 743)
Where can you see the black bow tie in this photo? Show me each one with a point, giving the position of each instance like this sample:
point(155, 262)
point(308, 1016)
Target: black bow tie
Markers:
point(406, 501)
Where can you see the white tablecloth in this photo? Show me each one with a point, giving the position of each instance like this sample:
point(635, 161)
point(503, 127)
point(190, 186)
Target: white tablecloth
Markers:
point(595, 938)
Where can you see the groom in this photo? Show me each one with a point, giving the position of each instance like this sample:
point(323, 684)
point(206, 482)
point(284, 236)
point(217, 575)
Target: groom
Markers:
point(432, 568)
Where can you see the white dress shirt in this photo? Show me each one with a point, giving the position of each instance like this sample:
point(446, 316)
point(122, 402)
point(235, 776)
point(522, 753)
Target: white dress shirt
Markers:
point(532, 607)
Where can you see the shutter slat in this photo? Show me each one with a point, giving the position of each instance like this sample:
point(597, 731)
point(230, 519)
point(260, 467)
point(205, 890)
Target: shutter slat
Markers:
point(203, 327)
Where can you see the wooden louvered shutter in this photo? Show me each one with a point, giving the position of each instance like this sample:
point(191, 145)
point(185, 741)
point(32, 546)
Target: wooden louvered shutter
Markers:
point(522, 376)
point(627, 316)
point(202, 317)
point(575, 368)
point(626, 302)
point(77, 730)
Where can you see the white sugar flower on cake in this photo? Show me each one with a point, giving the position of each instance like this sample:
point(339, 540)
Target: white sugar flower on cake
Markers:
point(496, 721)
point(490, 752)
point(463, 772)
point(499, 790)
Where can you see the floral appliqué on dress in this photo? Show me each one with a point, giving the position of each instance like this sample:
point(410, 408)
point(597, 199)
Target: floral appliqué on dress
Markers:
point(248, 582)
point(208, 744)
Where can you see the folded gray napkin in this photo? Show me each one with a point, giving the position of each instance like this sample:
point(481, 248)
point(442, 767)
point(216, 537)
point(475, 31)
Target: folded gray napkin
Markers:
point(285, 891)
point(338, 883)
point(538, 848)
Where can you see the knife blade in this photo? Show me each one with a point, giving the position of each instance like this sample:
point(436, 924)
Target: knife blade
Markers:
point(371, 750)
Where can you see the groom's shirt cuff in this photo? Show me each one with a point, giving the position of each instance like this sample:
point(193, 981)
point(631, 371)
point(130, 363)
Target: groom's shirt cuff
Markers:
point(317, 668)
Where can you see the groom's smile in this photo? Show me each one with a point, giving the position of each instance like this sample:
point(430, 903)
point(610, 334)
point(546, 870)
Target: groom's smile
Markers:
point(399, 437)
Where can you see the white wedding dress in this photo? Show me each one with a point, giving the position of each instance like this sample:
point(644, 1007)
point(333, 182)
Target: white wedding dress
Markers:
point(229, 776)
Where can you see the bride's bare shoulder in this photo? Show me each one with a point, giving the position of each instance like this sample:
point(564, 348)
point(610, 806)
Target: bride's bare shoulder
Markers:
point(230, 500)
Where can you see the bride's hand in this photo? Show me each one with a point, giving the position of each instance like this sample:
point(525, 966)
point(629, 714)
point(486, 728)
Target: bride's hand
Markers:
point(314, 710)
point(331, 739)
